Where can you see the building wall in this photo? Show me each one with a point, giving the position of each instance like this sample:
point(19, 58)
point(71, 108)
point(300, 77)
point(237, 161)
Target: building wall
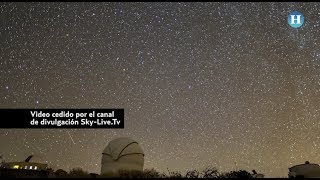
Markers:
point(22, 173)
point(25, 165)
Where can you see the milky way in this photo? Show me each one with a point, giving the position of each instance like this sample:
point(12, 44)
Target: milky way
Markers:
point(229, 85)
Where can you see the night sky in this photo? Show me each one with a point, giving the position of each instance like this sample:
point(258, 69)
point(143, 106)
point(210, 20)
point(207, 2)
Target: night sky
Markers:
point(229, 85)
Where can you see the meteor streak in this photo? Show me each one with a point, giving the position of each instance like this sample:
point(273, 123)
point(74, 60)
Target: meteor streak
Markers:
point(71, 137)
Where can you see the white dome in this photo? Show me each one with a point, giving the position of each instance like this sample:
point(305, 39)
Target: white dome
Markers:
point(122, 153)
point(306, 170)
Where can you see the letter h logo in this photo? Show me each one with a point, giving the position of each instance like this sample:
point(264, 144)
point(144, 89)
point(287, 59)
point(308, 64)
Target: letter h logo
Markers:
point(295, 19)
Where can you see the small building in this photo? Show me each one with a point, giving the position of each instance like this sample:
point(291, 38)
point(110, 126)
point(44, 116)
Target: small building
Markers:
point(306, 170)
point(26, 168)
point(26, 164)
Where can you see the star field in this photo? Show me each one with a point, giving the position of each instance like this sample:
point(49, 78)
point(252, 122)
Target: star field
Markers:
point(229, 85)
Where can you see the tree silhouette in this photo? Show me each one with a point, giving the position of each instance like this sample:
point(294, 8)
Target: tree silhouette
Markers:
point(78, 172)
point(123, 173)
point(238, 174)
point(192, 174)
point(152, 173)
point(210, 172)
point(175, 174)
point(61, 173)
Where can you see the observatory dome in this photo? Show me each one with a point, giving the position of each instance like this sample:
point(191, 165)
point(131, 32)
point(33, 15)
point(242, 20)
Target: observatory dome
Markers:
point(122, 153)
point(307, 170)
